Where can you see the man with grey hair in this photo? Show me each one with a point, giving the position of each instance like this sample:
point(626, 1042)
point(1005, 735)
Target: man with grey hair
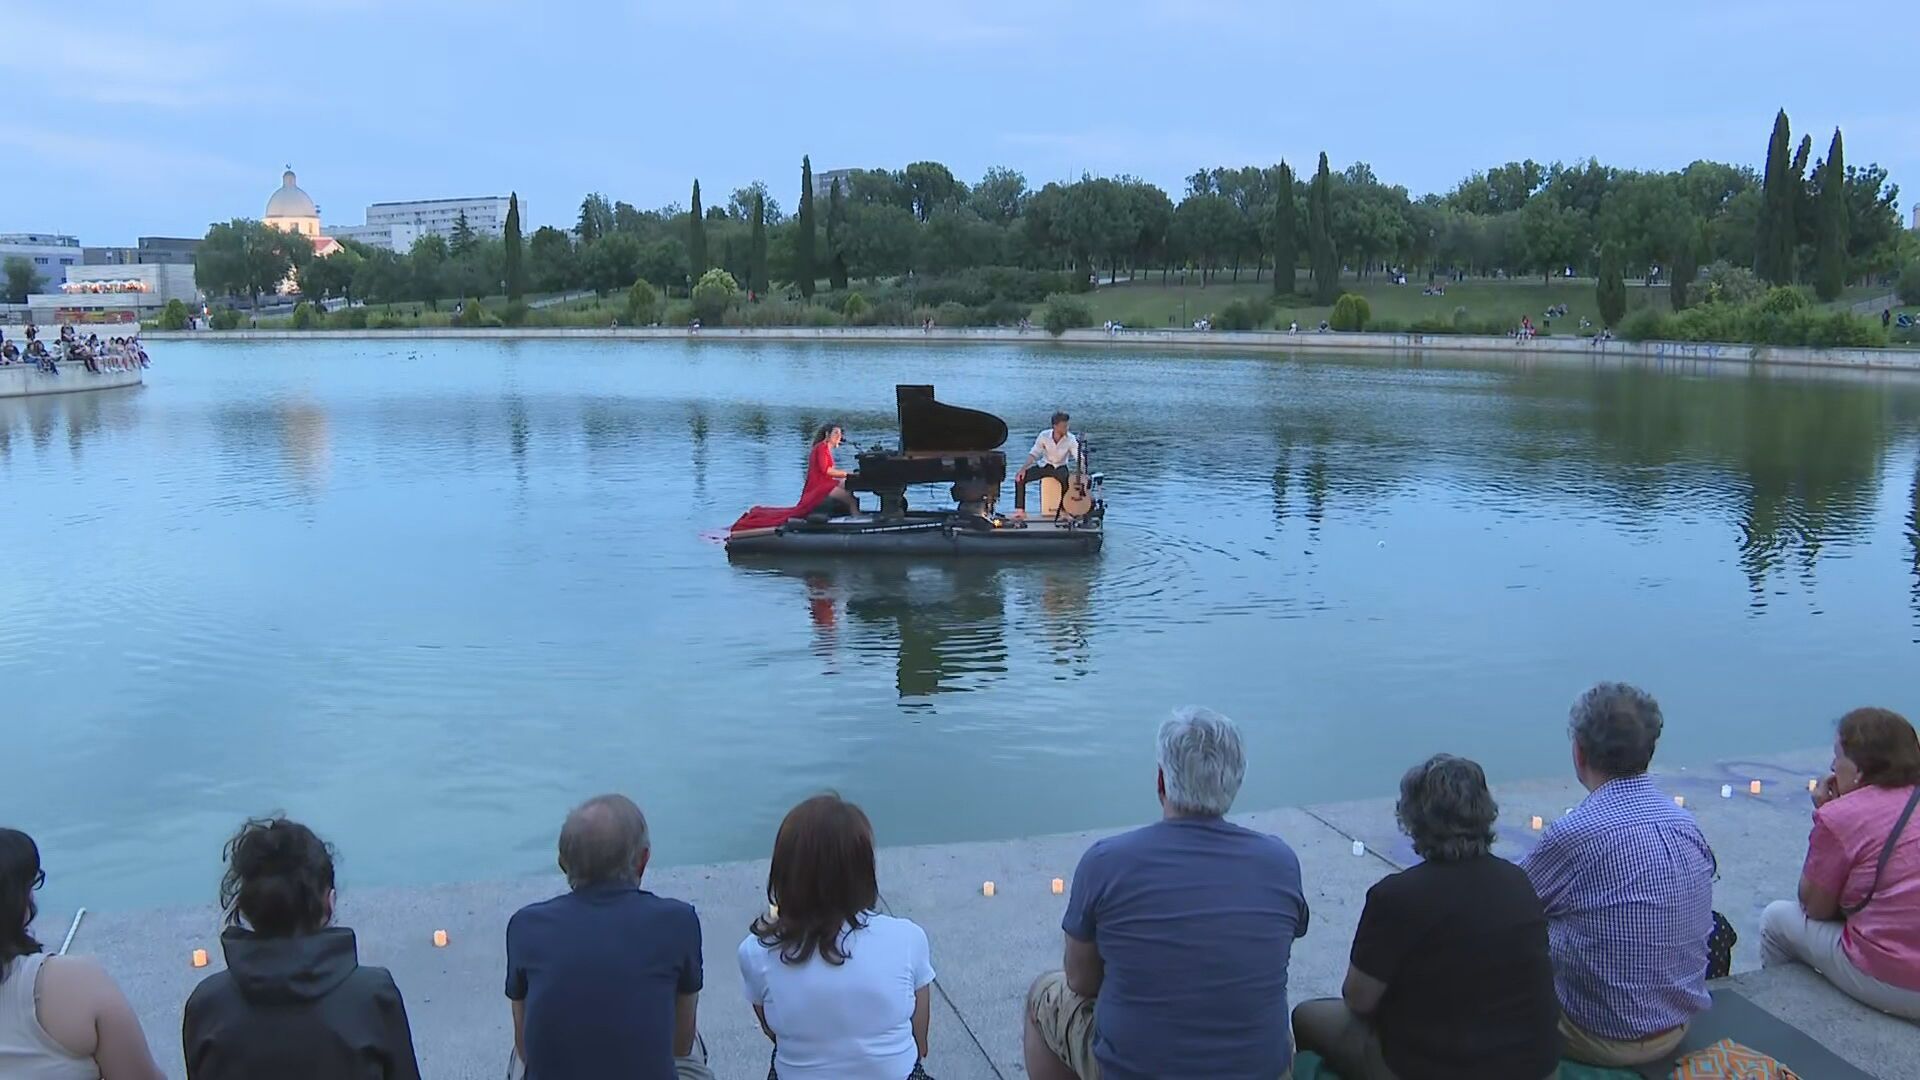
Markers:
point(605, 978)
point(1626, 879)
point(1177, 935)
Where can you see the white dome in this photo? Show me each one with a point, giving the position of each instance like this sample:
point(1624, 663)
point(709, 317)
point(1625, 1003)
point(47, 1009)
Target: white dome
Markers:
point(290, 201)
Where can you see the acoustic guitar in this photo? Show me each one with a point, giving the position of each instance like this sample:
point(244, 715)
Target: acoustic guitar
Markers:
point(1078, 500)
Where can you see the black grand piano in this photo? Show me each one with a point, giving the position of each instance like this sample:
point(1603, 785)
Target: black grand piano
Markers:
point(939, 444)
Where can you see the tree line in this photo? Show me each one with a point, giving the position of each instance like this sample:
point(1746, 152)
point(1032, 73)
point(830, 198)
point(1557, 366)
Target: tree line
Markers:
point(1820, 222)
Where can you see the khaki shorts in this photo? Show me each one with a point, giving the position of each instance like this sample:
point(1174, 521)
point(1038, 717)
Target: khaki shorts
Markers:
point(1065, 1020)
point(1584, 1046)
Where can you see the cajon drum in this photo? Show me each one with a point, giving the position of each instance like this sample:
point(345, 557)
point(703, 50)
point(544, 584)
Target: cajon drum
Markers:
point(1051, 492)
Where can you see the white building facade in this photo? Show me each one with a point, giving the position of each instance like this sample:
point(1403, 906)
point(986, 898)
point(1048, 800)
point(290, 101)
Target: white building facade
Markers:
point(396, 225)
point(48, 253)
point(110, 294)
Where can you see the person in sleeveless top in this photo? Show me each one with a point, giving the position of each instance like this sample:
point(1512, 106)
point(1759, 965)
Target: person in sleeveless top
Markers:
point(61, 1017)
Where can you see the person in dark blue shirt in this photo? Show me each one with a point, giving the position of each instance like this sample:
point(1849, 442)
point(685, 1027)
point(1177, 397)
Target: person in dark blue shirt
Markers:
point(1178, 936)
point(605, 978)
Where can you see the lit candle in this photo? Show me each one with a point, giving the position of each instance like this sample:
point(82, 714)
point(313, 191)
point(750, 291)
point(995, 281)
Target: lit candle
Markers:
point(1680, 801)
point(1726, 791)
point(1753, 787)
point(1537, 823)
point(439, 939)
point(1059, 886)
point(986, 888)
point(1359, 847)
point(199, 958)
point(1813, 786)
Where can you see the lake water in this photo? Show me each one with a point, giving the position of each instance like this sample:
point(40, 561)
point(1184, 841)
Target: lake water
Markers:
point(426, 595)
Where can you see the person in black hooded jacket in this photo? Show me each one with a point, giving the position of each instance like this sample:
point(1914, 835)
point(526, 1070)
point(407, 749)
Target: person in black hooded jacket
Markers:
point(294, 1002)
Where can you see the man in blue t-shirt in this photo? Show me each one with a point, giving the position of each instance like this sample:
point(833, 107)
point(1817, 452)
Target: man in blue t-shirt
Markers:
point(605, 978)
point(1178, 936)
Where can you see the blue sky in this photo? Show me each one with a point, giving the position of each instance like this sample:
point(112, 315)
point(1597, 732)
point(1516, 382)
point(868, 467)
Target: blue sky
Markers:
point(158, 118)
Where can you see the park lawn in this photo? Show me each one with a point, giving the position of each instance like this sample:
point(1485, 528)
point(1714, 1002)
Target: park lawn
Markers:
point(1148, 304)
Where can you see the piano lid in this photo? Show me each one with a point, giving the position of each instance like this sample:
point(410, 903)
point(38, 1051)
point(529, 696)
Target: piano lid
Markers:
point(929, 426)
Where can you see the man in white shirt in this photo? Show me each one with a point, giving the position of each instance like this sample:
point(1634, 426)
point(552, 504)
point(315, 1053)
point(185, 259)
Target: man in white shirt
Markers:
point(1057, 453)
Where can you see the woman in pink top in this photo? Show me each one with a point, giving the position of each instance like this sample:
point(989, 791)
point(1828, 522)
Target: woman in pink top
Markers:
point(1857, 921)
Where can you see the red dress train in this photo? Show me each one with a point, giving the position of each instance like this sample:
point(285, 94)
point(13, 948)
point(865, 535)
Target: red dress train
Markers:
point(820, 484)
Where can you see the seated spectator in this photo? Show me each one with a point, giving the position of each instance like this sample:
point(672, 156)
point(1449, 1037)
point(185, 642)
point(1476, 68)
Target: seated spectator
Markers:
point(294, 1002)
point(1627, 882)
point(61, 1017)
point(1178, 935)
point(842, 990)
point(1857, 920)
point(605, 978)
point(1450, 976)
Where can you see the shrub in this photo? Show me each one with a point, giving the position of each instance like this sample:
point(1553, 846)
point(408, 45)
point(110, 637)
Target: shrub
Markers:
point(224, 319)
point(1460, 318)
point(1003, 312)
point(1783, 300)
point(643, 304)
point(854, 306)
point(303, 316)
point(1645, 324)
point(953, 314)
point(473, 313)
point(387, 321)
point(679, 313)
point(515, 313)
point(1388, 326)
point(1350, 312)
point(1909, 286)
point(1734, 285)
point(1243, 315)
point(173, 316)
point(1064, 312)
point(350, 318)
point(714, 294)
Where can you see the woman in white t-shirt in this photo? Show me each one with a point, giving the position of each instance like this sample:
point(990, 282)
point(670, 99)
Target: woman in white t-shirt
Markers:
point(841, 989)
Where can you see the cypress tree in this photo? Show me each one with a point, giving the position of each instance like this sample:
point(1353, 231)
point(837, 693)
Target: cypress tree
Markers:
point(1773, 242)
point(757, 252)
point(803, 243)
point(1611, 290)
point(1830, 275)
point(1693, 241)
point(1326, 264)
point(836, 224)
point(697, 236)
point(516, 273)
point(1286, 249)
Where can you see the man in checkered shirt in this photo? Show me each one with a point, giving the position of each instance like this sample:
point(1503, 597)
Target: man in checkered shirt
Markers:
point(1627, 882)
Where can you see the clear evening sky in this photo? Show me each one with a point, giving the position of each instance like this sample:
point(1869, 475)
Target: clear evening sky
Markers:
point(127, 119)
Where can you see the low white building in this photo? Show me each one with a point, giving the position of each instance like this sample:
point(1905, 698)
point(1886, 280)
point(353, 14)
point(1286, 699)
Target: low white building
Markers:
point(114, 294)
point(396, 225)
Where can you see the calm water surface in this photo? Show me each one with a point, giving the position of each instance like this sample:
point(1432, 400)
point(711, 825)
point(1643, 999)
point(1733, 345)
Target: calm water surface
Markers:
point(427, 595)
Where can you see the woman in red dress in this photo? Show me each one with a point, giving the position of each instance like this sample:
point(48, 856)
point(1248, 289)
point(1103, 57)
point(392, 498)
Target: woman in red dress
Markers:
point(823, 487)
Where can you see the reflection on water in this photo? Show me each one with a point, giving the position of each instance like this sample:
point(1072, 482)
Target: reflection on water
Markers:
point(461, 585)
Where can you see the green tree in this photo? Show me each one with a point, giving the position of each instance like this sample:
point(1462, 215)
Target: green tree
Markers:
point(836, 234)
point(596, 218)
point(713, 293)
point(552, 260)
point(1206, 227)
point(1830, 275)
point(696, 236)
point(643, 304)
point(1774, 239)
point(757, 252)
point(382, 276)
point(611, 263)
point(1326, 264)
point(428, 260)
point(245, 257)
point(174, 315)
point(22, 279)
point(1611, 290)
point(461, 241)
point(803, 240)
point(1000, 195)
point(1689, 247)
point(331, 276)
point(1909, 286)
point(516, 272)
point(1286, 246)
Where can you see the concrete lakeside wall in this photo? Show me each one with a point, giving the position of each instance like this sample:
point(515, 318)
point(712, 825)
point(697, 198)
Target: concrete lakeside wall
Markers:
point(1257, 340)
point(25, 380)
point(987, 951)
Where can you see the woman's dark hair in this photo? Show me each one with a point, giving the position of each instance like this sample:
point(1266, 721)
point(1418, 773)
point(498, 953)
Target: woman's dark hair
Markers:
point(822, 880)
point(1882, 745)
point(20, 874)
point(278, 877)
point(1446, 809)
point(821, 435)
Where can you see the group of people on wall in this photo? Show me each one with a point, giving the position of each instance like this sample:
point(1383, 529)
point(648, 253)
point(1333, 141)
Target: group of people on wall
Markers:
point(1595, 946)
point(113, 354)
